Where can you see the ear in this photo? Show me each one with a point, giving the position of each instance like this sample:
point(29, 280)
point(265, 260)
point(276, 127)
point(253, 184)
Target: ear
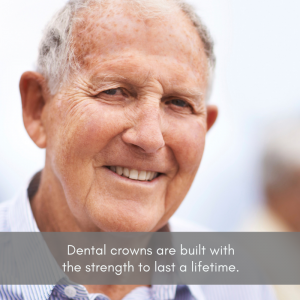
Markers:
point(33, 89)
point(212, 113)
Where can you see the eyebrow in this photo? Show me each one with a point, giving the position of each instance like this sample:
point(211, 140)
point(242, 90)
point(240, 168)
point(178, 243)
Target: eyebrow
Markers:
point(96, 80)
point(196, 92)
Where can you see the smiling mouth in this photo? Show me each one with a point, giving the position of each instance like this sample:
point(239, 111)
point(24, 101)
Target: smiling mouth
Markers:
point(134, 174)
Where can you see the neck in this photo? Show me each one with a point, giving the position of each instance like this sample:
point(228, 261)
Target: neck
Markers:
point(49, 205)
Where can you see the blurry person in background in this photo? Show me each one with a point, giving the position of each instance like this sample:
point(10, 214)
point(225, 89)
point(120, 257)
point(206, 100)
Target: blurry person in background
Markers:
point(281, 179)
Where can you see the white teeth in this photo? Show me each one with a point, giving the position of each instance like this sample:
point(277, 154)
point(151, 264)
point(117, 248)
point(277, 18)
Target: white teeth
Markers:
point(126, 172)
point(119, 170)
point(142, 175)
point(134, 174)
point(152, 175)
point(148, 175)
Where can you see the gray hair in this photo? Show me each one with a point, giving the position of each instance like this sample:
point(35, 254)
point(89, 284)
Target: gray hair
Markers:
point(56, 59)
point(282, 153)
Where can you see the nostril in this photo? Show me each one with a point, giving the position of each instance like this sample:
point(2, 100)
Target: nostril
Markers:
point(148, 141)
point(146, 133)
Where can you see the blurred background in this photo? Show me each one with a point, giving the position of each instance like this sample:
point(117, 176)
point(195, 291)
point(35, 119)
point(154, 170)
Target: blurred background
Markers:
point(256, 84)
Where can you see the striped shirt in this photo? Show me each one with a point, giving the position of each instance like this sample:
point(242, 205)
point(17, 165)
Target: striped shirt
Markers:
point(16, 216)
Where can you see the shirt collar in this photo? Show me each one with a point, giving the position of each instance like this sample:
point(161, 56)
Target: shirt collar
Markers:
point(21, 218)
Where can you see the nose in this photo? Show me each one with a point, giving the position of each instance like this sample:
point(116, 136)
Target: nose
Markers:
point(146, 133)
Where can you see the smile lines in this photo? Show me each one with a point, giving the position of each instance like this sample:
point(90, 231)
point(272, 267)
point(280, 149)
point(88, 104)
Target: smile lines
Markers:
point(134, 174)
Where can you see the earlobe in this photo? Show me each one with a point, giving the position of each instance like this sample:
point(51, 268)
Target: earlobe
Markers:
point(212, 113)
point(33, 92)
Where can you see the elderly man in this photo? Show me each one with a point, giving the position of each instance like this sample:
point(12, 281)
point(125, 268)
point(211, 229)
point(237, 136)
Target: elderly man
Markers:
point(118, 101)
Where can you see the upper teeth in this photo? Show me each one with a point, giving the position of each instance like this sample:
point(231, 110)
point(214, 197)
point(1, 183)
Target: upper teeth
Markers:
point(134, 174)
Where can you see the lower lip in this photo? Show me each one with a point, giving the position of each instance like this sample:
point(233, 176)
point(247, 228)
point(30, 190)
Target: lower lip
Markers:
point(153, 181)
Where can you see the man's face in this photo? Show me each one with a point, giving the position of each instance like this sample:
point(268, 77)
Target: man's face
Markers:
point(125, 135)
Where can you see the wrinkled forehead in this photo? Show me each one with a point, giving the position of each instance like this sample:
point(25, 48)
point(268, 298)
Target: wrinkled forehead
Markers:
point(102, 33)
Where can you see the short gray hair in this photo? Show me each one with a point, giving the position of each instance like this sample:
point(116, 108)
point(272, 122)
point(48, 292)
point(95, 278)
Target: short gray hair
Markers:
point(56, 59)
point(282, 153)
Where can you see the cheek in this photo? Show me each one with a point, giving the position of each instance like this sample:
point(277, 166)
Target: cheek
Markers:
point(85, 130)
point(187, 140)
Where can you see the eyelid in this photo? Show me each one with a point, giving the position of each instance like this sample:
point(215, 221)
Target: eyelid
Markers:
point(188, 102)
point(116, 89)
point(103, 90)
point(113, 88)
point(181, 109)
point(128, 89)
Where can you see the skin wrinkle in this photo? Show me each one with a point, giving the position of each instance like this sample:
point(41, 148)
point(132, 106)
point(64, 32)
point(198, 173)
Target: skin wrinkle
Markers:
point(87, 195)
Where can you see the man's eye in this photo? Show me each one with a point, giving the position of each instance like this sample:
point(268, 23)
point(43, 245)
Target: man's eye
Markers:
point(178, 102)
point(113, 92)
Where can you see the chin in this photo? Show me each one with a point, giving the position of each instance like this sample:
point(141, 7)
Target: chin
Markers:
point(117, 221)
point(115, 214)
